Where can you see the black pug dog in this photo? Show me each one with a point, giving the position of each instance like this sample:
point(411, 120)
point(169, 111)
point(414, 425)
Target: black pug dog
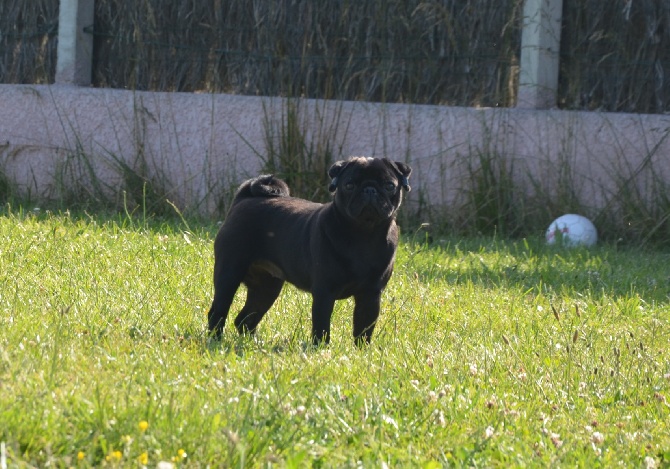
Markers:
point(335, 250)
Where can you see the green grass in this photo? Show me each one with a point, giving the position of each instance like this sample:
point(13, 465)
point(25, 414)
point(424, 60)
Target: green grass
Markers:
point(489, 353)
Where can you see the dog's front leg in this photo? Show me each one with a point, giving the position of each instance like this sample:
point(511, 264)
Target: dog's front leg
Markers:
point(322, 309)
point(366, 313)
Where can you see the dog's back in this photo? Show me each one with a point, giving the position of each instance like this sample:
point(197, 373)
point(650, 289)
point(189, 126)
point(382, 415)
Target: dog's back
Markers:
point(266, 185)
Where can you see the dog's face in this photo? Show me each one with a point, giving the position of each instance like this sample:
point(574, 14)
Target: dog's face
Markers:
point(368, 190)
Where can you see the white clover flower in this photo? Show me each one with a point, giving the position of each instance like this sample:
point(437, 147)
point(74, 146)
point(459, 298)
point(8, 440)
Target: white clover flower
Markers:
point(597, 438)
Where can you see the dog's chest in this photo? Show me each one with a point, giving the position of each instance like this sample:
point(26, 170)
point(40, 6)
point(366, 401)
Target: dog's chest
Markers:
point(362, 271)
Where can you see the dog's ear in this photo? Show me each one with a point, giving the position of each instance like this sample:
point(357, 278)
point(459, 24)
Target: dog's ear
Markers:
point(401, 170)
point(334, 172)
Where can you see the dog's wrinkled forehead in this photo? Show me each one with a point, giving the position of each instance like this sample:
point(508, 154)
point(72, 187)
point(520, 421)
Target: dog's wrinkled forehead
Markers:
point(363, 160)
point(357, 167)
point(369, 168)
point(361, 168)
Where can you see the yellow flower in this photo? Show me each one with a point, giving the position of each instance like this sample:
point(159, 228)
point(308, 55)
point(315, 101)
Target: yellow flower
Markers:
point(181, 454)
point(143, 425)
point(143, 458)
point(80, 456)
point(114, 456)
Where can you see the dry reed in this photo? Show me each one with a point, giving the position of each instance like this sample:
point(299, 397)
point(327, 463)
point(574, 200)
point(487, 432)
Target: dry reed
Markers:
point(28, 37)
point(614, 56)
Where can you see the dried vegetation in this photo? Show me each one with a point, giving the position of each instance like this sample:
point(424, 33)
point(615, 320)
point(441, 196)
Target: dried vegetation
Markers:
point(614, 57)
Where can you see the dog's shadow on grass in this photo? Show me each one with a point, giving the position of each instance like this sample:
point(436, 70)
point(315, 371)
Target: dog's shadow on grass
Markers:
point(242, 345)
point(531, 264)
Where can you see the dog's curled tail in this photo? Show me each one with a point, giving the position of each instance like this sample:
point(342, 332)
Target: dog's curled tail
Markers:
point(263, 186)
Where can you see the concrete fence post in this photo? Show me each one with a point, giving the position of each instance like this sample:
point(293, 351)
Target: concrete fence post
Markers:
point(540, 47)
point(75, 47)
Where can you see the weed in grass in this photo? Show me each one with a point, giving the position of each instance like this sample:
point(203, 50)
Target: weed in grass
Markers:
point(145, 187)
point(641, 201)
point(493, 199)
point(7, 191)
point(555, 191)
point(76, 183)
point(300, 158)
point(489, 352)
point(143, 191)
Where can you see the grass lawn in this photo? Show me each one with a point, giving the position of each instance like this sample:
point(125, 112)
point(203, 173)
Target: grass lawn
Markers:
point(488, 353)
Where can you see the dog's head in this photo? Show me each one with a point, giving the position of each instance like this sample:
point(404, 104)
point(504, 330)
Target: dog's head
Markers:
point(368, 190)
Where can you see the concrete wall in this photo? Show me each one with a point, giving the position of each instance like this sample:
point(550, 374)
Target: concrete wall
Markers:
point(199, 145)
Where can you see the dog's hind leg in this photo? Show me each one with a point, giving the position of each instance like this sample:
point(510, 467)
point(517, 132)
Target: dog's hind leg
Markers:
point(262, 291)
point(226, 283)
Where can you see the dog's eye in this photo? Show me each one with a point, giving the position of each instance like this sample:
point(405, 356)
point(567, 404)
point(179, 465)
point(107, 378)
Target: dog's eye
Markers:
point(389, 187)
point(349, 186)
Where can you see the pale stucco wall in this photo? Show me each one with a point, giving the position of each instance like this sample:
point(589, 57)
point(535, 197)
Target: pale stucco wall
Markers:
point(202, 144)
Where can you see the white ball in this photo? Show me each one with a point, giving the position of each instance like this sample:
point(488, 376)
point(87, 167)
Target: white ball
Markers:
point(572, 230)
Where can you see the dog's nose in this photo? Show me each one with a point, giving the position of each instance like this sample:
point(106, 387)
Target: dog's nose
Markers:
point(369, 191)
